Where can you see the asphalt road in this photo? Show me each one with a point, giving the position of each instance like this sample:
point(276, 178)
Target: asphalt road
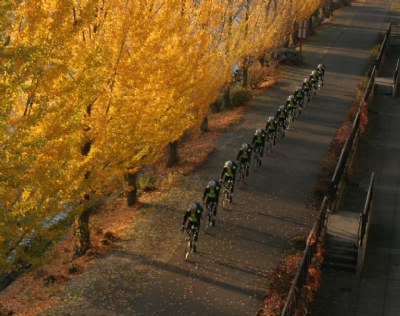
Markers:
point(231, 273)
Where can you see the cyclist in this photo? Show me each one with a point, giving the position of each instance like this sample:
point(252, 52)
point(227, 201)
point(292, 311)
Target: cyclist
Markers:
point(321, 73)
point(259, 140)
point(291, 106)
point(271, 128)
point(211, 194)
point(281, 117)
point(244, 155)
point(306, 88)
point(299, 97)
point(236, 74)
point(193, 216)
point(314, 79)
point(229, 173)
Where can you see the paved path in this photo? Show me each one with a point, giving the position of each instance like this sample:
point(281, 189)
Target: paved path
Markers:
point(230, 276)
point(377, 291)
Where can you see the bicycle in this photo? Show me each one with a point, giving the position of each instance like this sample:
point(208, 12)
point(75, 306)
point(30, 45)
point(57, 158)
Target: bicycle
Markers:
point(307, 93)
point(300, 104)
point(296, 111)
point(210, 218)
point(290, 118)
point(314, 88)
point(281, 130)
point(257, 157)
point(226, 193)
point(189, 240)
point(270, 142)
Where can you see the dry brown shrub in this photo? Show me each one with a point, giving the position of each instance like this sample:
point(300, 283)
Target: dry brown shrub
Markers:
point(281, 282)
point(261, 77)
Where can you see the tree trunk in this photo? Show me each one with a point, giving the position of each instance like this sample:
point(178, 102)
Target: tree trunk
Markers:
point(131, 195)
point(261, 60)
point(204, 124)
point(245, 75)
point(173, 157)
point(81, 228)
point(82, 233)
point(227, 98)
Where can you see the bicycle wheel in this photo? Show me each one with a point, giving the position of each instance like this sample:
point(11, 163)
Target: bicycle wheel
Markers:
point(208, 221)
point(290, 121)
point(245, 171)
point(256, 159)
point(225, 200)
point(279, 133)
point(240, 178)
point(269, 146)
point(242, 175)
point(212, 216)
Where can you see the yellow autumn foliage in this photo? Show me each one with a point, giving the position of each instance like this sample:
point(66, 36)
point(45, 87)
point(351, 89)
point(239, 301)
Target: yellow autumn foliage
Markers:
point(128, 77)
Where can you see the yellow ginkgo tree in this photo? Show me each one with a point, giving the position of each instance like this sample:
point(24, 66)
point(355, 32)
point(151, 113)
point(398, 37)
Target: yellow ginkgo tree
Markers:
point(94, 90)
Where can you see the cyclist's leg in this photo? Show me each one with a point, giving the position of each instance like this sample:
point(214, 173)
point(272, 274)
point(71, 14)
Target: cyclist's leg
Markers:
point(208, 206)
point(233, 184)
point(210, 202)
point(247, 166)
point(196, 235)
point(215, 208)
point(258, 148)
point(189, 226)
point(232, 189)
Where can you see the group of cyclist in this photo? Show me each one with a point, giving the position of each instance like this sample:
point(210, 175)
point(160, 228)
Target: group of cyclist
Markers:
point(275, 124)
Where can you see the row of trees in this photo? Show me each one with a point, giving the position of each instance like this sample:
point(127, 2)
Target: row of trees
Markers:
point(93, 90)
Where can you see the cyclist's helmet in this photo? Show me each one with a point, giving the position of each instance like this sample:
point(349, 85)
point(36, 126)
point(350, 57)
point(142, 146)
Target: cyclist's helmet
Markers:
point(258, 132)
point(282, 107)
point(271, 119)
point(305, 80)
point(320, 66)
point(192, 207)
point(313, 72)
point(228, 164)
point(245, 146)
point(211, 184)
point(291, 97)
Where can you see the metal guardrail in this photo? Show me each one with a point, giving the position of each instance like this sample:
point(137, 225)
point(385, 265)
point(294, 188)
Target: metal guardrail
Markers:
point(301, 277)
point(364, 216)
point(396, 78)
point(392, 30)
point(363, 226)
point(338, 176)
point(370, 85)
point(384, 45)
point(337, 180)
